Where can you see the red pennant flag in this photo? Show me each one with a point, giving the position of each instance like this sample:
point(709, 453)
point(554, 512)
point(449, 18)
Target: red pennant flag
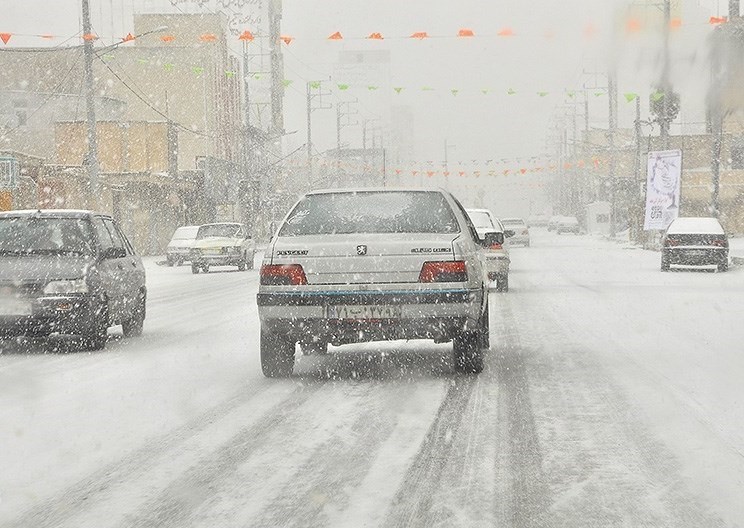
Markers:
point(398, 171)
point(421, 35)
point(286, 39)
point(462, 173)
point(90, 37)
point(5, 37)
point(47, 36)
point(506, 172)
point(464, 32)
point(446, 173)
point(208, 37)
point(675, 23)
point(632, 25)
point(167, 38)
point(506, 32)
point(375, 36)
point(128, 38)
point(336, 36)
point(717, 20)
point(522, 170)
point(247, 36)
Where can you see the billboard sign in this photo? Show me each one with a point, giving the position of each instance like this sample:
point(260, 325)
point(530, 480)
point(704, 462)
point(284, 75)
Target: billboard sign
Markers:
point(663, 185)
point(8, 173)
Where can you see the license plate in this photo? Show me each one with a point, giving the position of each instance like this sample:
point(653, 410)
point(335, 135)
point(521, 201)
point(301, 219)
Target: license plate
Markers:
point(215, 251)
point(364, 312)
point(696, 252)
point(15, 307)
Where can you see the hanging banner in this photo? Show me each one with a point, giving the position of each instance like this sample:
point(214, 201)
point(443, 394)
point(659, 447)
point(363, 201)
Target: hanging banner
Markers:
point(663, 184)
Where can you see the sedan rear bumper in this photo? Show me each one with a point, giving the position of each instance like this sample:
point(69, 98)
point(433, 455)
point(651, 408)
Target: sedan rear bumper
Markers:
point(695, 256)
point(59, 314)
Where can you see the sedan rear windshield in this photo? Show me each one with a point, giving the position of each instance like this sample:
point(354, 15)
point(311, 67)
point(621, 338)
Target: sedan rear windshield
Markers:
point(32, 235)
point(371, 212)
point(218, 231)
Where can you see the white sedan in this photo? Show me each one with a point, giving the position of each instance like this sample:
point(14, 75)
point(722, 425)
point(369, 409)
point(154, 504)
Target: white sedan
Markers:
point(222, 244)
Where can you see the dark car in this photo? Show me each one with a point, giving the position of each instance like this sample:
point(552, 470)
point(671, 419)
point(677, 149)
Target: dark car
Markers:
point(692, 241)
point(68, 272)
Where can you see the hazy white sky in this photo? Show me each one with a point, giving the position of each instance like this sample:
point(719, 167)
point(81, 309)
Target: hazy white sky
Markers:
point(480, 126)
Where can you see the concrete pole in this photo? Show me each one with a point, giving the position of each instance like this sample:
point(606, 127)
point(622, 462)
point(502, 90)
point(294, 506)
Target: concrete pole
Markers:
point(92, 158)
point(309, 138)
point(665, 84)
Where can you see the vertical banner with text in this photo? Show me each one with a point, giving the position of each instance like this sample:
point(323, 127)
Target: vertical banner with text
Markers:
point(663, 184)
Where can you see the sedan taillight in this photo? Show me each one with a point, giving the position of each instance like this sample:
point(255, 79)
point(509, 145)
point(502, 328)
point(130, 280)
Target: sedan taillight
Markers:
point(445, 271)
point(720, 243)
point(282, 275)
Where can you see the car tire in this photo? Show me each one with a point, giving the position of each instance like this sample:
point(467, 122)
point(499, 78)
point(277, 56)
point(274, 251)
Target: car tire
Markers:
point(169, 262)
point(484, 332)
point(205, 268)
point(249, 263)
point(133, 326)
point(96, 336)
point(277, 355)
point(723, 266)
point(242, 264)
point(502, 283)
point(194, 269)
point(665, 265)
point(468, 354)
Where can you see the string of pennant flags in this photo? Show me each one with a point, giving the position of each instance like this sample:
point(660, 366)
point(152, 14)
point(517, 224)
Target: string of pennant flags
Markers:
point(398, 90)
point(631, 26)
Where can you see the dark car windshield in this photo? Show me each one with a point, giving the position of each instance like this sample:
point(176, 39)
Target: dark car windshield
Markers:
point(31, 235)
point(218, 230)
point(371, 212)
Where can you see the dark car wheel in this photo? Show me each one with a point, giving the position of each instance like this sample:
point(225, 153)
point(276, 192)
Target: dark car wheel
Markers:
point(194, 269)
point(468, 354)
point(242, 264)
point(277, 355)
point(95, 337)
point(723, 266)
point(132, 327)
point(249, 261)
point(665, 266)
point(205, 268)
point(502, 283)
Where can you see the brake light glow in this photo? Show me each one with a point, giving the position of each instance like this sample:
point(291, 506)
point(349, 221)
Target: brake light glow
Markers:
point(720, 243)
point(495, 246)
point(671, 242)
point(444, 271)
point(282, 275)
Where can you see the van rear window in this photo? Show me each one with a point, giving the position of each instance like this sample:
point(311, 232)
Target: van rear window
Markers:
point(371, 212)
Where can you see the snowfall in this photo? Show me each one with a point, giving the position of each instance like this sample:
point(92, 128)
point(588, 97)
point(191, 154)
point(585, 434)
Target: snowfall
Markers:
point(613, 395)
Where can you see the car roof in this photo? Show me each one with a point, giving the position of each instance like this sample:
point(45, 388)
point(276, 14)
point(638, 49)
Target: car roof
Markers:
point(479, 211)
point(51, 213)
point(696, 225)
point(374, 189)
point(221, 223)
point(512, 220)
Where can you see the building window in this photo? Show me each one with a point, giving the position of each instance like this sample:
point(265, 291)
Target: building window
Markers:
point(603, 219)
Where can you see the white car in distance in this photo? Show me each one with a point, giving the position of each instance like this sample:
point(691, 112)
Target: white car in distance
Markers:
point(222, 244)
point(521, 231)
point(179, 247)
point(496, 255)
point(350, 266)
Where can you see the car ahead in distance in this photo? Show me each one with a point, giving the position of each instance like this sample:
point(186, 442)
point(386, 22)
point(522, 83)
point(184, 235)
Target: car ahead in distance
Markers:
point(695, 241)
point(222, 244)
point(539, 220)
point(351, 266)
point(521, 232)
point(179, 247)
point(496, 255)
point(68, 272)
point(553, 222)
point(568, 224)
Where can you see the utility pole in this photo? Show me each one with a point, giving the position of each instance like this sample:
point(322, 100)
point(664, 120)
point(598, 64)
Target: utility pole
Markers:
point(277, 67)
point(314, 92)
point(612, 129)
point(665, 85)
point(92, 158)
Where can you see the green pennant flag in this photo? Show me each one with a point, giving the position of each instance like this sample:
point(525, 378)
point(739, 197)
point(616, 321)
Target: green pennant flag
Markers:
point(257, 76)
point(143, 61)
point(598, 94)
point(510, 91)
point(197, 70)
point(229, 74)
point(109, 57)
point(657, 96)
point(314, 84)
point(427, 89)
point(542, 94)
point(372, 88)
point(168, 66)
point(630, 96)
point(286, 83)
point(343, 86)
point(485, 91)
point(454, 91)
point(398, 89)
point(571, 94)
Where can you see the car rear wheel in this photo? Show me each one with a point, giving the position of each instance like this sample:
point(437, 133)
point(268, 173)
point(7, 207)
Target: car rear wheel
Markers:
point(205, 268)
point(502, 283)
point(242, 264)
point(194, 269)
point(277, 355)
point(133, 326)
point(665, 264)
point(249, 261)
point(468, 353)
point(723, 266)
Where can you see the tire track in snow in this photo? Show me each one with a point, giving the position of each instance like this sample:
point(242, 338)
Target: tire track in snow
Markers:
point(414, 501)
point(73, 500)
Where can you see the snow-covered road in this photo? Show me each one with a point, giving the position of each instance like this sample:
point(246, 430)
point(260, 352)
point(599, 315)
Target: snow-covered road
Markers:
point(613, 395)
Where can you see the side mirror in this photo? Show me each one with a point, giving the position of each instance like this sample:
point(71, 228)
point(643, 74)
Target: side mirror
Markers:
point(508, 233)
point(113, 253)
point(493, 238)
